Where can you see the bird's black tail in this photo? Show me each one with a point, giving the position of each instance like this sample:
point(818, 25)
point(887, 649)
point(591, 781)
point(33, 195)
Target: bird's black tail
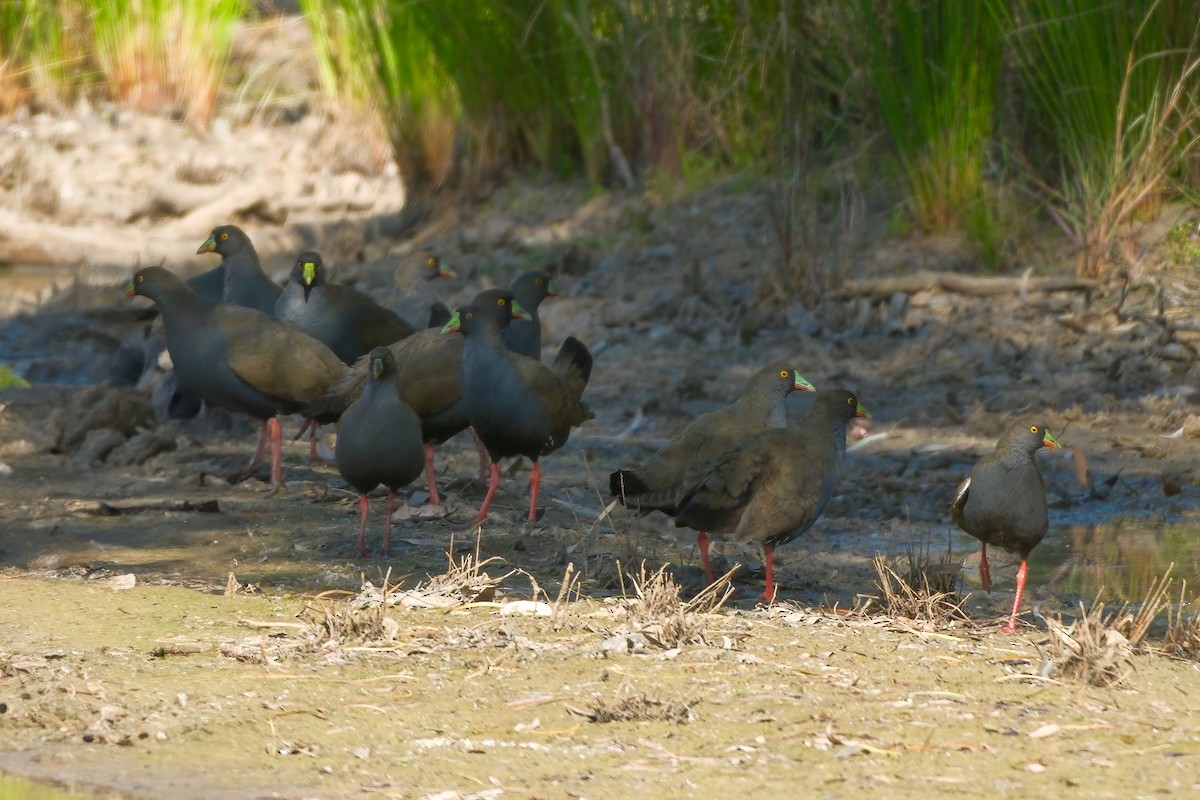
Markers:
point(573, 359)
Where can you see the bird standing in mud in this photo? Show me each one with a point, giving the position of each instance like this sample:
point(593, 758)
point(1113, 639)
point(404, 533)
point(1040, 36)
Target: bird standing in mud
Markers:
point(1003, 501)
point(675, 468)
point(516, 405)
point(238, 358)
point(774, 486)
point(379, 441)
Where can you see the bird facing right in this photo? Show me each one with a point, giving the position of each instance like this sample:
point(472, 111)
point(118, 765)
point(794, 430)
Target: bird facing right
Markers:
point(774, 486)
point(1003, 501)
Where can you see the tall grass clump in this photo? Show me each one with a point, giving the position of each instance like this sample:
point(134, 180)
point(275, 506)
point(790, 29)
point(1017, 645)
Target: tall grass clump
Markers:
point(165, 55)
point(38, 51)
point(797, 115)
point(1116, 89)
point(934, 66)
point(615, 89)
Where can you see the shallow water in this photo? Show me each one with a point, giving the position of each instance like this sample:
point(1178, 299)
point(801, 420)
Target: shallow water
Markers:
point(27, 286)
point(1118, 560)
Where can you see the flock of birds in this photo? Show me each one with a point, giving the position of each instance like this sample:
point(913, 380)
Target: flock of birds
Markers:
point(241, 342)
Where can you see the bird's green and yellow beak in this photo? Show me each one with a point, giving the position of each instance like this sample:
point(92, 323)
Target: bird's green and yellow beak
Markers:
point(518, 311)
point(453, 324)
point(861, 411)
point(377, 367)
point(1049, 440)
point(447, 273)
point(551, 289)
point(210, 244)
point(309, 271)
point(130, 290)
point(800, 383)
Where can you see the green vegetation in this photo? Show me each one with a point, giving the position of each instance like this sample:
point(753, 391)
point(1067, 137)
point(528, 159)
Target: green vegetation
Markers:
point(1114, 89)
point(935, 71)
point(152, 55)
point(164, 54)
point(1090, 108)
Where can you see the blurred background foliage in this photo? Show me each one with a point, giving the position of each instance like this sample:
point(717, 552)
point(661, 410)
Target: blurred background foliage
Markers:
point(971, 117)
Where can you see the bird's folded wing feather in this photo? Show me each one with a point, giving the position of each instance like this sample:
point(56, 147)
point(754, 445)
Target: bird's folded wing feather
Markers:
point(559, 397)
point(960, 501)
point(276, 359)
point(427, 370)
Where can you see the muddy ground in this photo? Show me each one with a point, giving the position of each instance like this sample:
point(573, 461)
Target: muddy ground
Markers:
point(170, 634)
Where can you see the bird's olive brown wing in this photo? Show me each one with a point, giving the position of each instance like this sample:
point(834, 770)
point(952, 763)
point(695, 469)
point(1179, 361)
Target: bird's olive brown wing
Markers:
point(280, 361)
point(427, 365)
point(789, 492)
point(374, 325)
point(719, 499)
point(559, 397)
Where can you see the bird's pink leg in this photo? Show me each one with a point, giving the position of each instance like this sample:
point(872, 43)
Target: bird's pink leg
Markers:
point(259, 452)
point(364, 508)
point(275, 430)
point(1012, 620)
point(535, 481)
point(985, 574)
point(385, 548)
point(769, 564)
point(487, 499)
point(484, 457)
point(431, 476)
point(702, 542)
point(313, 438)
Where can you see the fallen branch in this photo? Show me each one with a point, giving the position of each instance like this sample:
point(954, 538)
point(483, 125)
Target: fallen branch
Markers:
point(977, 285)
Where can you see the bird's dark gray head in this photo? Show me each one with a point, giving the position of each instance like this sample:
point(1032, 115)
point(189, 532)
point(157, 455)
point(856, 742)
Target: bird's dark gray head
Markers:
point(309, 271)
point(840, 404)
point(154, 282)
point(434, 268)
point(778, 379)
point(1029, 435)
point(532, 288)
point(383, 363)
point(225, 240)
point(492, 309)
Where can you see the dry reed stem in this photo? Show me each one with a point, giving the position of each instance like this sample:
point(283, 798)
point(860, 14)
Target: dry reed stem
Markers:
point(1098, 648)
point(627, 706)
point(658, 612)
point(1182, 639)
point(916, 596)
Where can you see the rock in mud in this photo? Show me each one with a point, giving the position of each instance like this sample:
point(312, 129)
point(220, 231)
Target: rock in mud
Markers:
point(97, 444)
point(141, 447)
point(120, 409)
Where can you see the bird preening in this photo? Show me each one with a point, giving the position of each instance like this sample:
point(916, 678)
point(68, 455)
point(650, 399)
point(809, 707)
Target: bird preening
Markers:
point(398, 390)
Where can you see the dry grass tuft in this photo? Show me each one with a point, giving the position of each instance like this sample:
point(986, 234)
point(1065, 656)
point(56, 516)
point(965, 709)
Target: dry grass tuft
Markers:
point(333, 628)
point(1097, 649)
point(1182, 639)
point(926, 591)
point(464, 581)
point(659, 614)
point(628, 707)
